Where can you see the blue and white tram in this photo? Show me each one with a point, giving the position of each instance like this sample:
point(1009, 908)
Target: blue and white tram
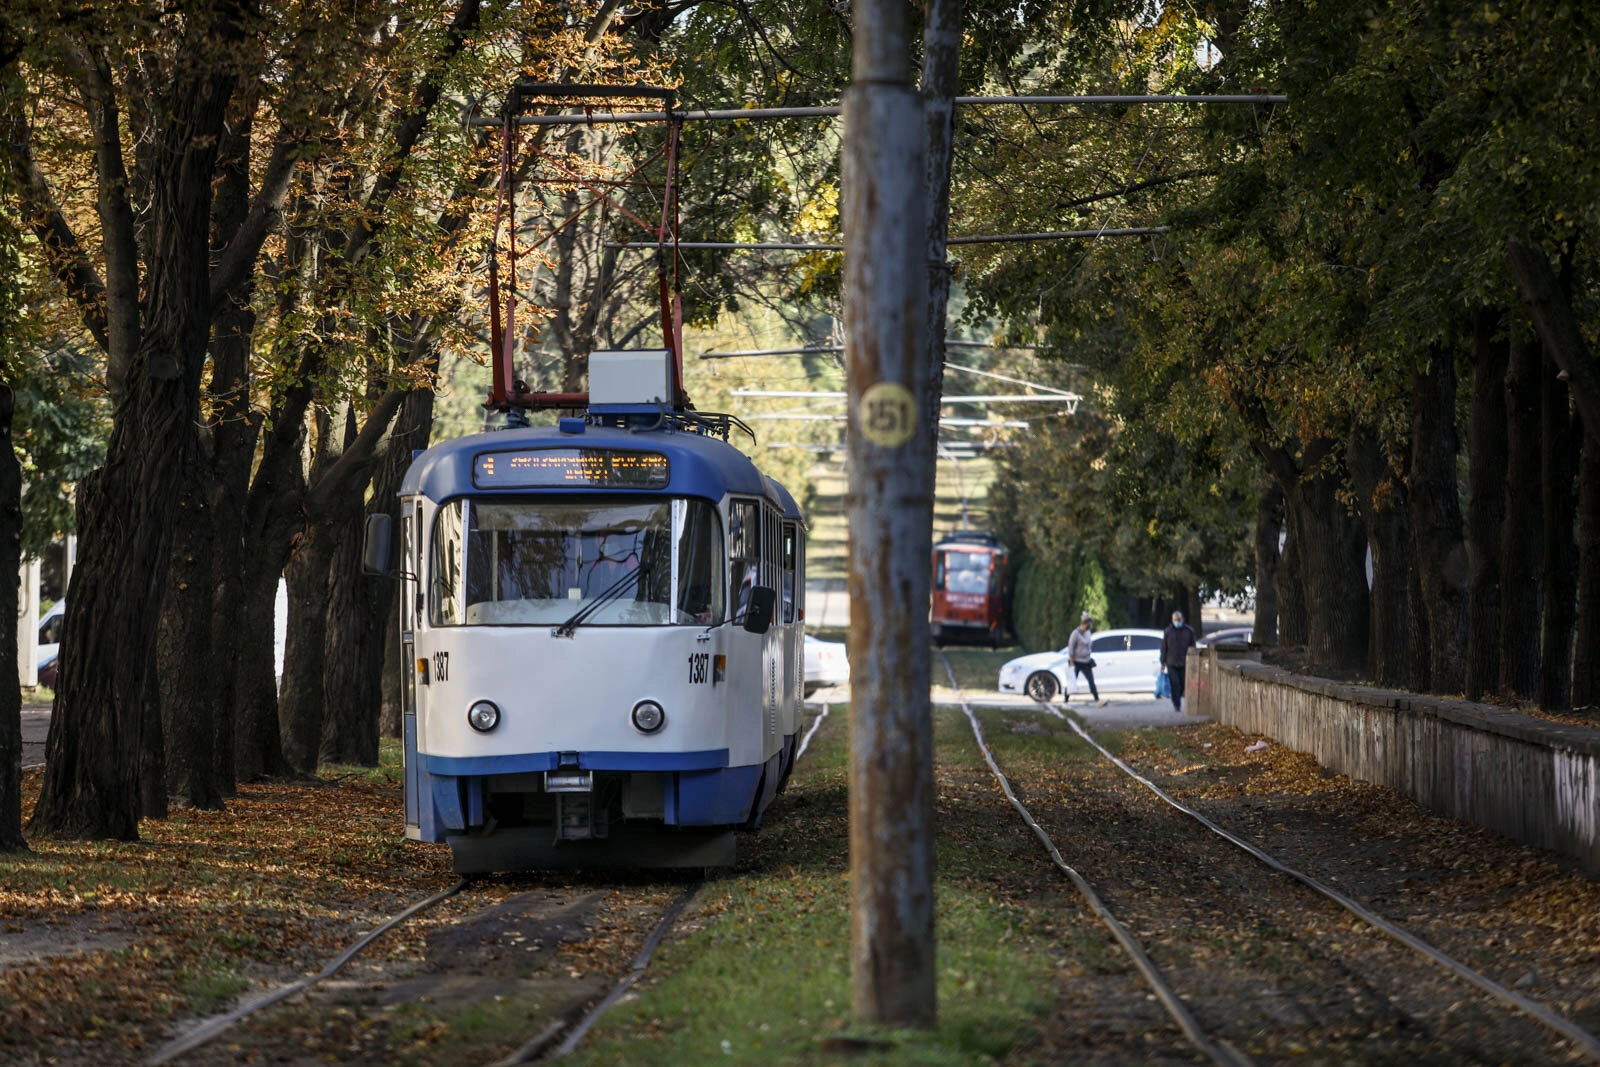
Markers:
point(602, 645)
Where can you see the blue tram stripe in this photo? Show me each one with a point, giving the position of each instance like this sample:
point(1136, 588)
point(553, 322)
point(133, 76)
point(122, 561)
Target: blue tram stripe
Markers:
point(523, 762)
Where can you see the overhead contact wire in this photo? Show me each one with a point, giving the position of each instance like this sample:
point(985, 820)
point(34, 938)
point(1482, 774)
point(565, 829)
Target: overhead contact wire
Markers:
point(1561, 1025)
point(1222, 1054)
point(214, 1028)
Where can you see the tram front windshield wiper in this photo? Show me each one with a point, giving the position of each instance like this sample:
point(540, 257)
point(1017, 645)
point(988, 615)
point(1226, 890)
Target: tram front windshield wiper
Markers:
point(607, 595)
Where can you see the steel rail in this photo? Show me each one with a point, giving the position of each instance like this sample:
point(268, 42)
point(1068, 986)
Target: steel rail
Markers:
point(816, 724)
point(535, 1047)
point(832, 111)
point(1218, 1052)
point(1582, 1038)
point(213, 1028)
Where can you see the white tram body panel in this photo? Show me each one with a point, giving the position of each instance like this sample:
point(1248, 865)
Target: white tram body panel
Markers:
point(569, 577)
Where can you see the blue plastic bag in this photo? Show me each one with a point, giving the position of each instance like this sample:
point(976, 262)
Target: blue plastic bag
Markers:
point(1163, 686)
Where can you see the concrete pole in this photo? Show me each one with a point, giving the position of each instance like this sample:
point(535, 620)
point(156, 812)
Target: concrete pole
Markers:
point(28, 624)
point(890, 508)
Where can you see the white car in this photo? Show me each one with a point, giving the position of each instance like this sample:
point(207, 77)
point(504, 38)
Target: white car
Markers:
point(1125, 661)
point(826, 664)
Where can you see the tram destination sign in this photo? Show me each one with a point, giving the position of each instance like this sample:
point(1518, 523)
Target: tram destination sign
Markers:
point(573, 468)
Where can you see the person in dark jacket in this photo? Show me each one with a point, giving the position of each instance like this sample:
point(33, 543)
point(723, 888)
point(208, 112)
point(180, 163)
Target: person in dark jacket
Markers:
point(1176, 641)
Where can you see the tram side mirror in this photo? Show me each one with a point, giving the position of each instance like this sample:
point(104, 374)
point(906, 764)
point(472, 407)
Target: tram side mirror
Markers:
point(758, 616)
point(375, 550)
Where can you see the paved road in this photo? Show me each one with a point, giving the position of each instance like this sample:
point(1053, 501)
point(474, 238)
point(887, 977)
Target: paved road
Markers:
point(35, 724)
point(1122, 711)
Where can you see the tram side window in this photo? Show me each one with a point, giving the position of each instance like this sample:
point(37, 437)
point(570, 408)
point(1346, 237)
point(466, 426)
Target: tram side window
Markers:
point(444, 567)
point(790, 552)
point(939, 569)
point(744, 551)
point(700, 594)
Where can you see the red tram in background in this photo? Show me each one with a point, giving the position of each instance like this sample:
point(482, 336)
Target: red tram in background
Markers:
point(969, 581)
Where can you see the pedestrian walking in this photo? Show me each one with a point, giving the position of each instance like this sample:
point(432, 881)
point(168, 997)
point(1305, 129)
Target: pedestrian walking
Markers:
point(1080, 649)
point(1176, 641)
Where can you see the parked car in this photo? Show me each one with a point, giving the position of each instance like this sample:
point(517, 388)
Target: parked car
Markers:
point(1125, 661)
point(1237, 633)
point(826, 664)
point(50, 624)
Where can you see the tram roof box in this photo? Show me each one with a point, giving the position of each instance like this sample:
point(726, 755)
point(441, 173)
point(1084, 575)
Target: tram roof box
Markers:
point(635, 381)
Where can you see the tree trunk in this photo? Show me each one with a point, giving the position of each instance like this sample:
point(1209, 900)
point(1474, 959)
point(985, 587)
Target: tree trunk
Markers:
point(184, 656)
point(1332, 559)
point(1438, 549)
point(11, 839)
point(1586, 655)
point(91, 785)
point(1381, 499)
point(1419, 660)
point(227, 610)
point(233, 429)
point(390, 723)
point(1193, 610)
point(1291, 591)
point(1522, 535)
point(300, 696)
point(258, 746)
point(355, 678)
point(92, 775)
point(1487, 443)
point(152, 747)
point(272, 516)
point(352, 640)
point(1562, 437)
point(1269, 525)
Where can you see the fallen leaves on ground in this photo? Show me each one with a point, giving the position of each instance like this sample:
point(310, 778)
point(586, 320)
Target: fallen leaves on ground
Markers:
point(203, 904)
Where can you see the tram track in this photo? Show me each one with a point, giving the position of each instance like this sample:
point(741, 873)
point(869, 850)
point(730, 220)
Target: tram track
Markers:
point(1324, 963)
point(560, 1037)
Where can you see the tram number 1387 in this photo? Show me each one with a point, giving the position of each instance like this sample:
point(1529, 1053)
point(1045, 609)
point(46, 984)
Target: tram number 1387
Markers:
point(699, 668)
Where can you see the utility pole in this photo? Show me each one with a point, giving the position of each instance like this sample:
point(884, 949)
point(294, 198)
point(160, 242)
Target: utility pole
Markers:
point(890, 508)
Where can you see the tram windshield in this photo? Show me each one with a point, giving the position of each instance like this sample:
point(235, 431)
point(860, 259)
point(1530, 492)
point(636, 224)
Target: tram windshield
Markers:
point(514, 561)
point(965, 572)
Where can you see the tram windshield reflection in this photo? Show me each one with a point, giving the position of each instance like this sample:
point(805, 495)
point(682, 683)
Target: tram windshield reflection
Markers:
point(967, 572)
point(537, 561)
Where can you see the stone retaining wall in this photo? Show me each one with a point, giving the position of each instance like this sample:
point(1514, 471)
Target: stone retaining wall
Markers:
point(1533, 780)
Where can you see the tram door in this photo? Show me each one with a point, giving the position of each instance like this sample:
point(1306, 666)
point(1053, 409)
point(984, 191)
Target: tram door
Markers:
point(410, 614)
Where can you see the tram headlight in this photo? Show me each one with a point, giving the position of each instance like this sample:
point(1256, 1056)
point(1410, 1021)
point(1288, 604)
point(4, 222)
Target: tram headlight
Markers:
point(483, 716)
point(648, 716)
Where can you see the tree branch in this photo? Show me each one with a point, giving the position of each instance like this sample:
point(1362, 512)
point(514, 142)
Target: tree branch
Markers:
point(1136, 187)
point(65, 255)
point(237, 260)
point(120, 244)
point(1555, 323)
point(409, 130)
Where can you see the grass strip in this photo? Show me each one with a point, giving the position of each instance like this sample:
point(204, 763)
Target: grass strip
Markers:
point(761, 972)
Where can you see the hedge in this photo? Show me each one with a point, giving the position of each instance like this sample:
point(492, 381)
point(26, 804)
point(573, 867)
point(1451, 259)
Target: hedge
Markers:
point(1050, 598)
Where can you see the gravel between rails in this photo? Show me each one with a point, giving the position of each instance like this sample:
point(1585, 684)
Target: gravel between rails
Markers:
point(488, 950)
point(1262, 963)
